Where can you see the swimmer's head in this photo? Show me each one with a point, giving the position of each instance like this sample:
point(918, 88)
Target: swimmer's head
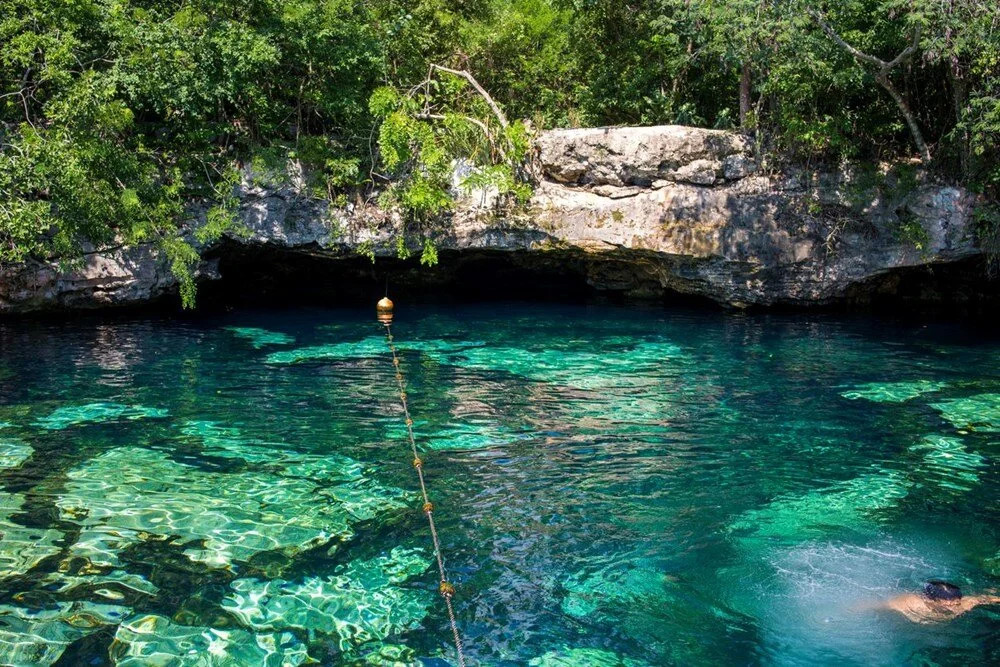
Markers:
point(937, 590)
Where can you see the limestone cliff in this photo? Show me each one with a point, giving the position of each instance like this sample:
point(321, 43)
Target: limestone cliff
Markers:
point(641, 211)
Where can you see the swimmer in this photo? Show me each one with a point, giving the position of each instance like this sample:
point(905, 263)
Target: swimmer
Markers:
point(939, 601)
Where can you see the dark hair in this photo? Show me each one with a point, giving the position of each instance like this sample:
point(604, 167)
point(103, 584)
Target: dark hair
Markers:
point(941, 590)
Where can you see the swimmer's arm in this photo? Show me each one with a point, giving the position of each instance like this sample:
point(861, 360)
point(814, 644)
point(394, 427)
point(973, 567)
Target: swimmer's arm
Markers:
point(986, 599)
point(878, 605)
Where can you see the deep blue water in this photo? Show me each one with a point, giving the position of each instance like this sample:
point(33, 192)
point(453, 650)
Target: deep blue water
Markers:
point(614, 486)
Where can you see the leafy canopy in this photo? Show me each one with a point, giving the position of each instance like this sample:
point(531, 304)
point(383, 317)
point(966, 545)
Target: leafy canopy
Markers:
point(117, 115)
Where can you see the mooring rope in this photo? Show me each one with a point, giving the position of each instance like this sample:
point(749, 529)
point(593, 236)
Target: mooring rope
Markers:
point(446, 589)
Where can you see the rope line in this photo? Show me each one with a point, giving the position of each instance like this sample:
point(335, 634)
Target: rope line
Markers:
point(446, 590)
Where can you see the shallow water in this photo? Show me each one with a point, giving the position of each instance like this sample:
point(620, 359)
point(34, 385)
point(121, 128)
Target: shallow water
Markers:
point(613, 487)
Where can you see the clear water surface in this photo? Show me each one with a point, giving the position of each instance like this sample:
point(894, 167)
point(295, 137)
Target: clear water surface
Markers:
point(613, 487)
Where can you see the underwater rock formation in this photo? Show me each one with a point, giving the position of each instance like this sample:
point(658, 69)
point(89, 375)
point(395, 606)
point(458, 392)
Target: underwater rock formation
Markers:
point(362, 603)
point(583, 657)
point(129, 495)
point(260, 338)
point(156, 640)
point(39, 636)
point(975, 413)
point(22, 548)
point(893, 392)
point(644, 212)
point(95, 413)
point(13, 453)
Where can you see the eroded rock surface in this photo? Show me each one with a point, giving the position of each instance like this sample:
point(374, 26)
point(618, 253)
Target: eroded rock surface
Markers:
point(641, 211)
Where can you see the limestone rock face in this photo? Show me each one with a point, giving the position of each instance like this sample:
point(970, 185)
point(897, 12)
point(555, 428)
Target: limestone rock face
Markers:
point(642, 156)
point(643, 211)
point(790, 238)
point(103, 278)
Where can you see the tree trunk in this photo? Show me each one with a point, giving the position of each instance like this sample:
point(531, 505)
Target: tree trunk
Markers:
point(885, 68)
point(911, 120)
point(959, 95)
point(745, 81)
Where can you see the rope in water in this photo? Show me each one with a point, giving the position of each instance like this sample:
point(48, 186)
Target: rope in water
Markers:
point(446, 589)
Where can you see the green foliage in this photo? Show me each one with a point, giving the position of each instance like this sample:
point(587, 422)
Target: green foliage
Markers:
point(428, 133)
point(987, 231)
point(429, 255)
point(367, 249)
point(910, 230)
point(117, 115)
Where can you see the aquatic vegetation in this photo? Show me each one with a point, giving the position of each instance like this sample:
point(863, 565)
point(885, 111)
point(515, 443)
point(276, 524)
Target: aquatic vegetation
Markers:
point(363, 602)
point(21, 547)
point(40, 636)
point(852, 505)
point(583, 657)
point(975, 413)
point(4, 425)
point(893, 392)
point(129, 494)
point(13, 453)
point(261, 338)
point(949, 462)
point(151, 639)
point(94, 413)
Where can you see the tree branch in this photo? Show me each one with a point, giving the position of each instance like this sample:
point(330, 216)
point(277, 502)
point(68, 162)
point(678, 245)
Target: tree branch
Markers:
point(860, 55)
point(469, 119)
point(479, 89)
point(883, 76)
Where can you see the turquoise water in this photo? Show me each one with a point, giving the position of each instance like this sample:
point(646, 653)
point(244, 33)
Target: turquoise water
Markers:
point(613, 487)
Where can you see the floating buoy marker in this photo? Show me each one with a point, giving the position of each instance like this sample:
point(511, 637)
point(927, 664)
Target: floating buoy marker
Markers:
point(383, 310)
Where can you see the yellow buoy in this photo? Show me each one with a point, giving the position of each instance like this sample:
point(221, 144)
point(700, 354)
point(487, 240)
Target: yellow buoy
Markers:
point(383, 309)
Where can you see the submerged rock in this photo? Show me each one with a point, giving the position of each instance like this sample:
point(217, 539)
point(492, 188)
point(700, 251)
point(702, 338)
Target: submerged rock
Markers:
point(40, 636)
point(389, 655)
point(584, 657)
point(361, 603)
point(21, 547)
point(156, 640)
point(949, 463)
point(466, 436)
point(894, 392)
point(13, 453)
point(613, 588)
point(373, 347)
point(131, 494)
point(260, 338)
point(975, 413)
point(575, 368)
point(114, 585)
point(850, 505)
point(95, 413)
